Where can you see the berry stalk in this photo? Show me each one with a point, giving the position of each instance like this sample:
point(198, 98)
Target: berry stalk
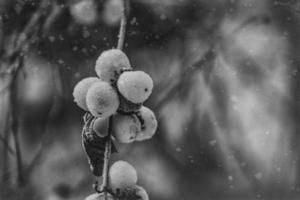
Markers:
point(121, 40)
point(107, 154)
point(122, 31)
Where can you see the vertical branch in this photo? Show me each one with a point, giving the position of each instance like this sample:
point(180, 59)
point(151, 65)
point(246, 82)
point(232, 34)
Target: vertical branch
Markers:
point(121, 39)
point(123, 23)
point(6, 147)
point(107, 154)
point(14, 122)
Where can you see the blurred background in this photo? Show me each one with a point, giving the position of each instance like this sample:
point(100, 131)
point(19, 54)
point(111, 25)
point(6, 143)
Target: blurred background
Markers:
point(226, 96)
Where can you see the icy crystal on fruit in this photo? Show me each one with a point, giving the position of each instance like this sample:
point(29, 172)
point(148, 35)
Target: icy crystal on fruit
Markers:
point(80, 91)
point(135, 86)
point(122, 175)
point(111, 64)
point(102, 100)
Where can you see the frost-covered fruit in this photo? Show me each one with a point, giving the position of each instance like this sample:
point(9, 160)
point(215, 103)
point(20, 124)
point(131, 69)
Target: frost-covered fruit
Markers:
point(141, 192)
point(122, 175)
point(135, 86)
point(110, 65)
point(80, 91)
point(149, 124)
point(98, 196)
point(84, 11)
point(102, 100)
point(126, 127)
point(100, 126)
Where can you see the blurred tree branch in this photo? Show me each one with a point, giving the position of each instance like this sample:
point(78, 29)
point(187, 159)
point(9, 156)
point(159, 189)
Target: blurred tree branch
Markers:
point(11, 64)
point(207, 58)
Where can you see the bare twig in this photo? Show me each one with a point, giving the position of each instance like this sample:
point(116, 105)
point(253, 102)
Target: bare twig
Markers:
point(122, 31)
point(30, 29)
point(107, 154)
point(14, 121)
point(207, 58)
point(1, 34)
point(7, 148)
point(6, 145)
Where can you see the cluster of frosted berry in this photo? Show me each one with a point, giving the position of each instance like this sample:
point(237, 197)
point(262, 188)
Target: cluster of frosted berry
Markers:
point(119, 91)
point(123, 183)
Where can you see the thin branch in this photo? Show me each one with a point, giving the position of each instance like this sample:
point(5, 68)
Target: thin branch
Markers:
point(207, 58)
point(15, 121)
point(122, 31)
point(107, 154)
point(30, 31)
point(6, 145)
point(7, 148)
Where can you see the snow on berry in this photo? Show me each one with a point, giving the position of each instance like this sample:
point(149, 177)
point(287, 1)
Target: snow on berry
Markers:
point(110, 65)
point(135, 86)
point(122, 175)
point(99, 196)
point(102, 100)
point(80, 91)
point(100, 126)
point(126, 127)
point(149, 124)
point(141, 192)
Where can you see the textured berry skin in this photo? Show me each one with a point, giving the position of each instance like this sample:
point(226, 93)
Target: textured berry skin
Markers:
point(141, 192)
point(135, 86)
point(122, 175)
point(126, 128)
point(80, 91)
point(110, 65)
point(98, 196)
point(149, 124)
point(100, 126)
point(102, 100)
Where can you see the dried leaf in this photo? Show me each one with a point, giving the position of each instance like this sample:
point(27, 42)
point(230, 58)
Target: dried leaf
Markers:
point(94, 146)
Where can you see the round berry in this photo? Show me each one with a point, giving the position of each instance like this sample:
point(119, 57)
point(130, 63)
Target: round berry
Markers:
point(122, 175)
point(141, 192)
point(110, 65)
point(80, 91)
point(98, 196)
point(102, 100)
point(126, 127)
point(100, 126)
point(149, 124)
point(135, 86)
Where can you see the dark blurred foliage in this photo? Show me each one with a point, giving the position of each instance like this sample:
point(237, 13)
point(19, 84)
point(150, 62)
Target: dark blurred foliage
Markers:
point(226, 96)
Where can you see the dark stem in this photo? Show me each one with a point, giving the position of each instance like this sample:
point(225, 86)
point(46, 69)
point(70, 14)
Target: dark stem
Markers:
point(121, 40)
point(107, 154)
point(122, 31)
point(15, 125)
point(6, 149)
